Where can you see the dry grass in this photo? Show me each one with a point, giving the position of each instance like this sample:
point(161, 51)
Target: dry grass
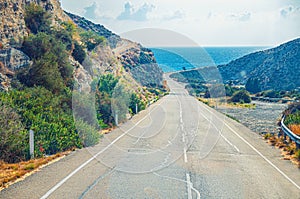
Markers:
point(222, 103)
point(10, 173)
point(288, 150)
point(295, 128)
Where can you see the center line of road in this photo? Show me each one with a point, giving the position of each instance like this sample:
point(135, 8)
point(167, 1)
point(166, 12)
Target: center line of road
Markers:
point(184, 154)
point(189, 186)
point(91, 159)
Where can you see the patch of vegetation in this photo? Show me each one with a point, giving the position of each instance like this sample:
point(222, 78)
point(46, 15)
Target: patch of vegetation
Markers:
point(13, 142)
point(48, 115)
point(37, 19)
point(111, 96)
point(91, 39)
point(241, 96)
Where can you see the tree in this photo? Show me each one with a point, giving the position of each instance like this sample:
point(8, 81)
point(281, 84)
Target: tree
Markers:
point(104, 95)
point(241, 96)
point(253, 85)
point(50, 67)
point(78, 53)
point(45, 72)
point(37, 19)
point(135, 100)
point(91, 39)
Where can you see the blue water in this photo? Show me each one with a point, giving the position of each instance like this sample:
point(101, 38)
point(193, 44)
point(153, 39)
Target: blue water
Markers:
point(175, 58)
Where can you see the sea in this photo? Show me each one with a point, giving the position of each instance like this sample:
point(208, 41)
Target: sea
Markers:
point(172, 59)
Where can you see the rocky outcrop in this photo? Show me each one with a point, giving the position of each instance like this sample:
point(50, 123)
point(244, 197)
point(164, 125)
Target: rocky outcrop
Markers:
point(11, 60)
point(12, 13)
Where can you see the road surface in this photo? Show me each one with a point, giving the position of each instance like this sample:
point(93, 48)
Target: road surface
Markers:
point(177, 148)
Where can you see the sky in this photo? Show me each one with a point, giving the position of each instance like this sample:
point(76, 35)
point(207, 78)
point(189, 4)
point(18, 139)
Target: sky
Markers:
point(195, 22)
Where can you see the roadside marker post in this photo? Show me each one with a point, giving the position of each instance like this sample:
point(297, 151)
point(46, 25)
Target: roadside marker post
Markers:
point(136, 108)
point(31, 143)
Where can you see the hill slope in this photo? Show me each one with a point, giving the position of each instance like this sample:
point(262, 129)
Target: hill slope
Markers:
point(277, 68)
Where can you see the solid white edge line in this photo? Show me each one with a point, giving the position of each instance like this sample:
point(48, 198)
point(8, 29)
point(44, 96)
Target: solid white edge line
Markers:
point(259, 153)
point(92, 158)
point(266, 159)
point(221, 134)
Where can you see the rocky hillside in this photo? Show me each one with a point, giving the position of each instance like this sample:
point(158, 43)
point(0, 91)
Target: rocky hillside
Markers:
point(12, 13)
point(277, 68)
point(137, 60)
point(121, 57)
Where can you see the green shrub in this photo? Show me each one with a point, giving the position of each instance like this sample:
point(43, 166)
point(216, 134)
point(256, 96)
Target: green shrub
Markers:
point(241, 96)
point(14, 139)
point(292, 118)
point(88, 134)
point(135, 100)
point(91, 39)
point(50, 67)
point(48, 115)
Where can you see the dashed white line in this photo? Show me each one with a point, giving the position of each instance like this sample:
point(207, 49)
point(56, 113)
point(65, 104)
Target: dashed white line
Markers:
point(189, 186)
point(184, 155)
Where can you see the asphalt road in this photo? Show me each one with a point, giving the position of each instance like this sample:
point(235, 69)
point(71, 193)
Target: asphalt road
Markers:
point(177, 148)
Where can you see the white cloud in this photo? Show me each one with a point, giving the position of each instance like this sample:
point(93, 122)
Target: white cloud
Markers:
point(289, 11)
point(243, 16)
point(139, 14)
point(232, 22)
point(178, 14)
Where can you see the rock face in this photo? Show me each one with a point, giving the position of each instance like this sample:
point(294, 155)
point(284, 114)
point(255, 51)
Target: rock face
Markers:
point(12, 13)
point(11, 60)
point(277, 68)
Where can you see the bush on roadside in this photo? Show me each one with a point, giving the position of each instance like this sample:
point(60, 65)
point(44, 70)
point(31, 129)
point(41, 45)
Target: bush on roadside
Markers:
point(88, 134)
point(241, 96)
point(13, 142)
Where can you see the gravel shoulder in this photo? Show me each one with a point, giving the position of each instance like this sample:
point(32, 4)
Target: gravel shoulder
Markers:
point(262, 118)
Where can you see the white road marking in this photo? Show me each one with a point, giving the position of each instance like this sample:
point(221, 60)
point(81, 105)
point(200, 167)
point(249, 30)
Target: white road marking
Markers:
point(197, 192)
point(258, 152)
point(91, 159)
point(189, 186)
point(180, 180)
point(184, 155)
point(226, 140)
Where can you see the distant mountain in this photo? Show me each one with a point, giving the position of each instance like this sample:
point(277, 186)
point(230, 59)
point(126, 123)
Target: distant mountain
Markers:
point(277, 68)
